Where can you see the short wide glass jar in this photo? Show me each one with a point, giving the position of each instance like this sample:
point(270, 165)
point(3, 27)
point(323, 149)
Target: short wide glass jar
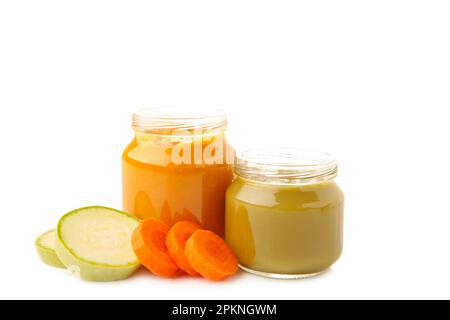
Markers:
point(284, 213)
point(178, 166)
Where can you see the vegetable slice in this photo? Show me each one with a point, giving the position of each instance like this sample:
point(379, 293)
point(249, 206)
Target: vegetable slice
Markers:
point(149, 244)
point(209, 255)
point(176, 242)
point(95, 241)
point(45, 246)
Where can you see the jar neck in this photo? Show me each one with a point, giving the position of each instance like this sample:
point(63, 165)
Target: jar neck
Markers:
point(182, 137)
point(286, 166)
point(179, 122)
point(179, 136)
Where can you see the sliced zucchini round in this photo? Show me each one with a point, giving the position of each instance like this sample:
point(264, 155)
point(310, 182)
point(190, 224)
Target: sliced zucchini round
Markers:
point(45, 246)
point(96, 242)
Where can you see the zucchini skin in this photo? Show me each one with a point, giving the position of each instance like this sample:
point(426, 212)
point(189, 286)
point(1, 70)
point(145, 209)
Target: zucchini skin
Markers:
point(88, 270)
point(48, 255)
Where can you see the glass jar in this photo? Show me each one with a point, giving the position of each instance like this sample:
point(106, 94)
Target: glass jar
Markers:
point(284, 213)
point(178, 166)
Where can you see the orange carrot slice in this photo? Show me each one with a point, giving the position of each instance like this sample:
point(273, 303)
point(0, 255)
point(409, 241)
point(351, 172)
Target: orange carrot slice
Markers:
point(149, 244)
point(176, 242)
point(209, 255)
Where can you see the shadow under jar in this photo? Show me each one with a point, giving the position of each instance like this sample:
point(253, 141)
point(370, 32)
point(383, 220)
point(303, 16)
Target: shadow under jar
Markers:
point(178, 166)
point(284, 213)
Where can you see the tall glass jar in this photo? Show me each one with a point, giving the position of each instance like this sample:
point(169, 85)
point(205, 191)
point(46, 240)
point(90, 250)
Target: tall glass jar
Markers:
point(178, 166)
point(284, 213)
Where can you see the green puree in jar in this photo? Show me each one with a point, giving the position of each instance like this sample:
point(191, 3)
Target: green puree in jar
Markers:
point(285, 230)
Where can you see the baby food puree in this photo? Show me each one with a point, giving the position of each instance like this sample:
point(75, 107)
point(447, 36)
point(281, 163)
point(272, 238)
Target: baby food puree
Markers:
point(284, 213)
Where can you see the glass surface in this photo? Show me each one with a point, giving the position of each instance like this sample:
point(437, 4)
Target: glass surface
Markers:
point(155, 187)
point(285, 229)
point(175, 175)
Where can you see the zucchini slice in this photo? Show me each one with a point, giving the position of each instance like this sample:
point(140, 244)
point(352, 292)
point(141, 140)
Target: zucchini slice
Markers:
point(45, 246)
point(96, 243)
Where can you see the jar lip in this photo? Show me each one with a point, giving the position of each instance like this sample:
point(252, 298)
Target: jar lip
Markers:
point(178, 119)
point(286, 165)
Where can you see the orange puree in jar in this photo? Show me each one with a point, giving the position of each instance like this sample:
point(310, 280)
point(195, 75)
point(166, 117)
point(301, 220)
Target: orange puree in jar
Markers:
point(178, 167)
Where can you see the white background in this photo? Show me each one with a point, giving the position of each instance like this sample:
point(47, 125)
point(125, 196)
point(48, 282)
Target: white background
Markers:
point(366, 80)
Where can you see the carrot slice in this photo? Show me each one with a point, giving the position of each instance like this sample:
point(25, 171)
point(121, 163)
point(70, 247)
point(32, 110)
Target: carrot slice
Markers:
point(209, 255)
point(149, 244)
point(176, 242)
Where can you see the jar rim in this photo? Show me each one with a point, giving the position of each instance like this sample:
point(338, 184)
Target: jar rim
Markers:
point(178, 119)
point(286, 166)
